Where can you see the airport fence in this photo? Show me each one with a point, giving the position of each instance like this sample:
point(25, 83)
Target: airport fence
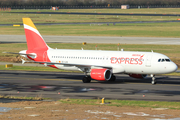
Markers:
point(88, 7)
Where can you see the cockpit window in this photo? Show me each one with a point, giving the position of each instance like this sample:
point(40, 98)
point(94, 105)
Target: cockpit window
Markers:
point(167, 60)
point(164, 60)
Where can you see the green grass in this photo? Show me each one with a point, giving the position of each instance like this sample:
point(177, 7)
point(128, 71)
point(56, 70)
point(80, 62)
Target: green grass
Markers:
point(119, 103)
point(39, 97)
point(33, 68)
point(12, 18)
point(143, 10)
point(28, 68)
point(130, 30)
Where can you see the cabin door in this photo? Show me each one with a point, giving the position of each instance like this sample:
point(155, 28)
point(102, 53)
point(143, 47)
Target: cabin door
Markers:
point(148, 61)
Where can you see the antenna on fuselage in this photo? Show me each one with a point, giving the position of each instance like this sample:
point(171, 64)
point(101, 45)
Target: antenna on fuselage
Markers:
point(152, 51)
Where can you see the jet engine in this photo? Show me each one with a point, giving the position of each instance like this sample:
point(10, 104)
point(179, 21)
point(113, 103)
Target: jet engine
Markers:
point(139, 76)
point(101, 74)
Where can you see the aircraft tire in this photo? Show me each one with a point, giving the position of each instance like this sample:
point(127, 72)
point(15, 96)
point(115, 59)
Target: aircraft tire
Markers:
point(153, 82)
point(113, 78)
point(86, 79)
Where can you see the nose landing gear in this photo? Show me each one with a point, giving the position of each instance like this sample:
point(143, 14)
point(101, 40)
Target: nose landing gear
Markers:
point(153, 82)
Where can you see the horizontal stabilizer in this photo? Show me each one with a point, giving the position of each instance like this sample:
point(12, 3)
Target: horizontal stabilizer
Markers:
point(19, 53)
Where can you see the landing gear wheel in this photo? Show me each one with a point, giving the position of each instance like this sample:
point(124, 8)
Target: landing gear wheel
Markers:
point(153, 81)
point(113, 78)
point(86, 79)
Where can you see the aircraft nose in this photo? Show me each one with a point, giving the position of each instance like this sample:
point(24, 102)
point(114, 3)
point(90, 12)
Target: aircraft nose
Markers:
point(173, 67)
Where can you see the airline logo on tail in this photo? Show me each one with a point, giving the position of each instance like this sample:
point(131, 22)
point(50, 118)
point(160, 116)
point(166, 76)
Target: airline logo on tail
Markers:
point(33, 37)
point(35, 43)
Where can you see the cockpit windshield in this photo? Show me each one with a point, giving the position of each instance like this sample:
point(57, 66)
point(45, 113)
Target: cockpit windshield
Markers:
point(168, 60)
point(164, 60)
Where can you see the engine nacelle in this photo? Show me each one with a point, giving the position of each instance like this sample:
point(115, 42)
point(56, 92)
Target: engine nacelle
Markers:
point(139, 76)
point(101, 74)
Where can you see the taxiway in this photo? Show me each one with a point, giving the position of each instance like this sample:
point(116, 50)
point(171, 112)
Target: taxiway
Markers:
point(93, 39)
point(57, 85)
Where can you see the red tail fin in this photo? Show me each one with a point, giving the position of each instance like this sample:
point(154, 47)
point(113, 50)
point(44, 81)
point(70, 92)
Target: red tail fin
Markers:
point(33, 37)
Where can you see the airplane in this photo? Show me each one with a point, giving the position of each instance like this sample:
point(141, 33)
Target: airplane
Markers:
point(99, 65)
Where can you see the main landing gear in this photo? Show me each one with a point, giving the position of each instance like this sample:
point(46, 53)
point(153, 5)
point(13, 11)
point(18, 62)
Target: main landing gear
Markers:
point(86, 79)
point(153, 82)
point(113, 78)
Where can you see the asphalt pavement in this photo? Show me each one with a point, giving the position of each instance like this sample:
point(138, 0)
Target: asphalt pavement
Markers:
point(96, 23)
point(99, 13)
point(57, 85)
point(93, 39)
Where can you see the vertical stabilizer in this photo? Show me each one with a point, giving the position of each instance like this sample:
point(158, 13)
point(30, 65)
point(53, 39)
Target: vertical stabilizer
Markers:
point(33, 37)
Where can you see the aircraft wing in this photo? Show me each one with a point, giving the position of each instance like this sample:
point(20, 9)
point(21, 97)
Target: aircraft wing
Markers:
point(68, 64)
point(55, 63)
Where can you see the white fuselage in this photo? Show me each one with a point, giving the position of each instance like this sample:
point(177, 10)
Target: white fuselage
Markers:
point(119, 61)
